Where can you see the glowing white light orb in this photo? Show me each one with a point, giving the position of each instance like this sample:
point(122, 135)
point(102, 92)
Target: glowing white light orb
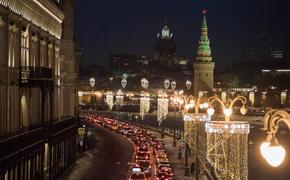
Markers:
point(243, 110)
point(210, 111)
point(227, 111)
point(274, 155)
point(188, 84)
point(205, 105)
point(173, 85)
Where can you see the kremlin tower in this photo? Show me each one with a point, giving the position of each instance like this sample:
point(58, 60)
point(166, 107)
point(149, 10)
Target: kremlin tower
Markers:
point(203, 65)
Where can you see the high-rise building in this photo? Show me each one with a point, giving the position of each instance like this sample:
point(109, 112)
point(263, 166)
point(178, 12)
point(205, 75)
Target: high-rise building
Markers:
point(203, 65)
point(165, 48)
point(37, 88)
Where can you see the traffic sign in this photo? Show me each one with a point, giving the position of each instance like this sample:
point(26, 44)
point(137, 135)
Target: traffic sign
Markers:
point(81, 130)
point(181, 142)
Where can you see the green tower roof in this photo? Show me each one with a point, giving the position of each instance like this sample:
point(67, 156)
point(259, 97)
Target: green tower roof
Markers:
point(204, 51)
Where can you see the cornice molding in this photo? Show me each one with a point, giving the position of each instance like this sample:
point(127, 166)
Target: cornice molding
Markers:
point(42, 13)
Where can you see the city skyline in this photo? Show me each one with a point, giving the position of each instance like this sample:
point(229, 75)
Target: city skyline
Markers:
point(104, 32)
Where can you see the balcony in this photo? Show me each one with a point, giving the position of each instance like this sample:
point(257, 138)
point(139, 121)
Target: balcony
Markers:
point(36, 77)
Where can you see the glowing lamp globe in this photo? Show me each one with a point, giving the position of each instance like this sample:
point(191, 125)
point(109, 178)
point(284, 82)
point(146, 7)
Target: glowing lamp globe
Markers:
point(263, 148)
point(243, 110)
point(201, 106)
point(274, 155)
point(210, 111)
point(205, 105)
point(227, 111)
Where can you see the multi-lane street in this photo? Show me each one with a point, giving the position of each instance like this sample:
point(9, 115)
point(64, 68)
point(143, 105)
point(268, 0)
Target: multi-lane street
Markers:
point(107, 157)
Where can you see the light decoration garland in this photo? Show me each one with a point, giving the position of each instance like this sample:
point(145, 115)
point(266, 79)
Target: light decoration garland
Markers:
point(252, 97)
point(120, 98)
point(162, 109)
point(194, 129)
point(227, 142)
point(145, 99)
point(227, 148)
point(110, 99)
point(283, 97)
point(144, 105)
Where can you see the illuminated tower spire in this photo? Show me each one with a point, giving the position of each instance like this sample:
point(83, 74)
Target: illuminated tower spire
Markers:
point(204, 52)
point(203, 65)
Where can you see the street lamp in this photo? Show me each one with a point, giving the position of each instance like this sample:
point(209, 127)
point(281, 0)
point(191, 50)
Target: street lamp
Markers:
point(194, 134)
point(272, 152)
point(227, 141)
point(92, 82)
point(120, 95)
point(119, 100)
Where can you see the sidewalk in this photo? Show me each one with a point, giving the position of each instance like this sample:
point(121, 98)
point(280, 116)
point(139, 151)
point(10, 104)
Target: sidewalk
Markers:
point(178, 164)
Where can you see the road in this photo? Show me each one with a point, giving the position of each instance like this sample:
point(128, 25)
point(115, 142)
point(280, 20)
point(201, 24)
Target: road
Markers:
point(106, 159)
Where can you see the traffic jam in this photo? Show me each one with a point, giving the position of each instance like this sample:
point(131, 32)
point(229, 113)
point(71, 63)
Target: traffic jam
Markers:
point(150, 159)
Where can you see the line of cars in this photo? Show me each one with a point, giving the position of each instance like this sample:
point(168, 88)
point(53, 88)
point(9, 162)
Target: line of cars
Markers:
point(151, 159)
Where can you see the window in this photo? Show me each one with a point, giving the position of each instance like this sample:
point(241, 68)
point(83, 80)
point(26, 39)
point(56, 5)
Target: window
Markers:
point(12, 48)
point(25, 48)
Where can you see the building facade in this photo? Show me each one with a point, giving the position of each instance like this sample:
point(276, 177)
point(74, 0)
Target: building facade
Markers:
point(37, 70)
point(203, 65)
point(165, 48)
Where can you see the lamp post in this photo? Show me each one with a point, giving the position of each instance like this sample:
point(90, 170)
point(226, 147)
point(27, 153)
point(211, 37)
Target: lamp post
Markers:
point(271, 151)
point(162, 110)
point(144, 100)
point(173, 86)
point(119, 100)
point(120, 95)
point(194, 131)
point(227, 141)
point(92, 82)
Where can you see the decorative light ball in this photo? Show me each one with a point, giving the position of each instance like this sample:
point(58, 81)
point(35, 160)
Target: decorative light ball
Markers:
point(166, 83)
point(210, 111)
point(188, 84)
point(274, 155)
point(92, 82)
point(263, 148)
point(144, 83)
point(125, 76)
point(201, 106)
point(227, 111)
point(187, 106)
point(243, 110)
point(180, 101)
point(191, 102)
point(173, 85)
point(205, 105)
point(124, 83)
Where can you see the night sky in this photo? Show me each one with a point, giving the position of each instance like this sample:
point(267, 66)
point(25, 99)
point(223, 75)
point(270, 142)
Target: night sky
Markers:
point(104, 27)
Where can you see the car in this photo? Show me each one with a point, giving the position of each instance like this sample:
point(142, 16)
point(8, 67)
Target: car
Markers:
point(145, 166)
point(136, 173)
point(143, 148)
point(164, 160)
point(160, 165)
point(142, 156)
point(162, 176)
point(139, 176)
point(167, 170)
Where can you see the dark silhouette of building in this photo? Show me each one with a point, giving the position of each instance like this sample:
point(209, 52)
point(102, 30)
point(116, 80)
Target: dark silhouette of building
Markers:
point(165, 48)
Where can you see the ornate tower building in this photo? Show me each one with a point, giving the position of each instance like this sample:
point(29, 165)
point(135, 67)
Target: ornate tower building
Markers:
point(203, 65)
point(165, 48)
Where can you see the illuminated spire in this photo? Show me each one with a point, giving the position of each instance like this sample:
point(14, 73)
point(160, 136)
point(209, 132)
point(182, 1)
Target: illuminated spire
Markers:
point(204, 51)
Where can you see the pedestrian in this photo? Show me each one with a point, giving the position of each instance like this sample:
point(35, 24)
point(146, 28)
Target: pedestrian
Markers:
point(192, 168)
